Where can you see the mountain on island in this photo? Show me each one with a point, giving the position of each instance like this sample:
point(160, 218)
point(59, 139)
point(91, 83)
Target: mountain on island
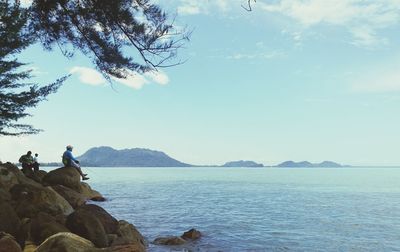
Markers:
point(136, 157)
point(326, 164)
point(242, 163)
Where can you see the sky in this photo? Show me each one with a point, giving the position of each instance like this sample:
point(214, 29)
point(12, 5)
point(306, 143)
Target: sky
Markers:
point(291, 80)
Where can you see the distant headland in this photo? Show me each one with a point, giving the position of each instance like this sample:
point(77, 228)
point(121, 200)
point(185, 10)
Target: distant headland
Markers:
point(137, 157)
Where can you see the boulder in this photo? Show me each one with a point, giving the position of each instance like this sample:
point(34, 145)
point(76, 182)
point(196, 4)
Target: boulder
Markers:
point(32, 199)
point(21, 178)
point(66, 176)
point(62, 219)
point(30, 174)
point(126, 248)
point(30, 247)
point(128, 234)
point(44, 226)
point(192, 234)
point(89, 193)
point(169, 240)
point(8, 243)
point(9, 221)
point(40, 175)
point(94, 223)
point(87, 225)
point(7, 178)
point(109, 223)
point(4, 195)
point(24, 232)
point(66, 242)
point(74, 198)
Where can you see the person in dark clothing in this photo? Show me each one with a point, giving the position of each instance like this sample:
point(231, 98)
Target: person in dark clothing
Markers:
point(26, 161)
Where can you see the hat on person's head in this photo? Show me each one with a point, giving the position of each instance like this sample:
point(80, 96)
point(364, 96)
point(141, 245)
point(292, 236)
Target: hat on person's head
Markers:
point(69, 147)
point(29, 152)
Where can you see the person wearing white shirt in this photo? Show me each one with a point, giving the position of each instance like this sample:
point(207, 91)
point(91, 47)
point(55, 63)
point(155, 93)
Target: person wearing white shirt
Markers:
point(35, 162)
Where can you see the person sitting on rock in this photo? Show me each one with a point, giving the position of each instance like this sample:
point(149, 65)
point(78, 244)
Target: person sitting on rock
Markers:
point(35, 162)
point(69, 160)
point(26, 161)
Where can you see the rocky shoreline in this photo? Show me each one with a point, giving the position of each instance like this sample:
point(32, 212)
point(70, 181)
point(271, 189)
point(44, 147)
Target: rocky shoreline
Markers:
point(50, 212)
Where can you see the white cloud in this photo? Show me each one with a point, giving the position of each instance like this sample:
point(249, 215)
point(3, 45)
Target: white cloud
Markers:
point(191, 7)
point(366, 37)
point(362, 19)
point(133, 80)
point(195, 7)
point(313, 11)
point(189, 10)
point(88, 75)
point(26, 3)
point(158, 77)
point(137, 81)
point(222, 4)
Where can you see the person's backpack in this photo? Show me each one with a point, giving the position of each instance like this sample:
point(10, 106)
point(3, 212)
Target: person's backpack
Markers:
point(64, 160)
point(21, 159)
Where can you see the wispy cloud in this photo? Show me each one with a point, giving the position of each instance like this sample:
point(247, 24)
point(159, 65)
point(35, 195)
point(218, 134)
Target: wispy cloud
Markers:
point(191, 8)
point(261, 51)
point(26, 3)
point(364, 36)
point(133, 80)
point(195, 7)
point(88, 75)
point(362, 19)
point(263, 55)
point(158, 77)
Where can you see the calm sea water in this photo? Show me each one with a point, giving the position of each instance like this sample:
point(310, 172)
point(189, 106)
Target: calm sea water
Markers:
point(258, 209)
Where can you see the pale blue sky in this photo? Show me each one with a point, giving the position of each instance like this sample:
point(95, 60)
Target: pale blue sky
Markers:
point(293, 80)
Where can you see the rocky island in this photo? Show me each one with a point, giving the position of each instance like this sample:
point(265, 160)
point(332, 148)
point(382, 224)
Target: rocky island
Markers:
point(242, 163)
point(136, 157)
point(306, 164)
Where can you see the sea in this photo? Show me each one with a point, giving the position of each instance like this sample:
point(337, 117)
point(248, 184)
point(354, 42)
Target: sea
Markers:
point(258, 209)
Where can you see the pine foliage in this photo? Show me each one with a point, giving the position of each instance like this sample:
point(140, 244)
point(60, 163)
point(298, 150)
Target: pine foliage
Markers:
point(16, 94)
point(120, 36)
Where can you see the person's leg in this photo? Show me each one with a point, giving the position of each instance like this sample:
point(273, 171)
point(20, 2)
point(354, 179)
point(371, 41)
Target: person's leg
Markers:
point(36, 166)
point(78, 168)
point(27, 169)
point(31, 167)
point(24, 168)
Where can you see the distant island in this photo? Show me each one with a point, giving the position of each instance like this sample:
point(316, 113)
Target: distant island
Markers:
point(325, 164)
point(136, 157)
point(106, 156)
point(242, 163)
